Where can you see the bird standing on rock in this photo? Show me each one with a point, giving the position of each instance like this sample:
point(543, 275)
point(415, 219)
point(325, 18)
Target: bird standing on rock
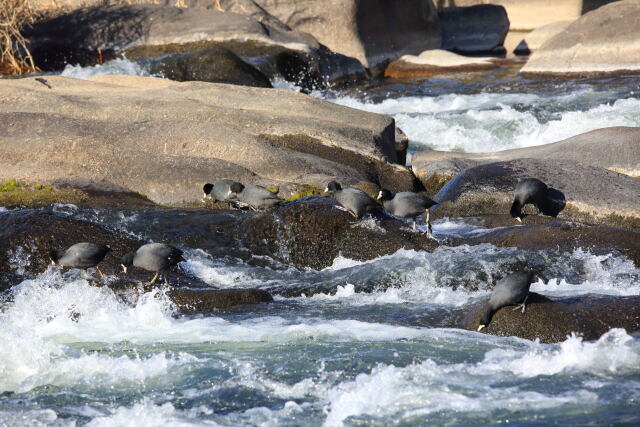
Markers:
point(220, 190)
point(255, 197)
point(156, 257)
point(81, 255)
point(528, 190)
point(355, 201)
point(510, 290)
point(407, 205)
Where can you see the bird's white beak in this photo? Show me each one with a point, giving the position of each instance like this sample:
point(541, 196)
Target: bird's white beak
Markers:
point(124, 268)
point(519, 219)
point(379, 195)
point(480, 327)
point(53, 262)
point(326, 190)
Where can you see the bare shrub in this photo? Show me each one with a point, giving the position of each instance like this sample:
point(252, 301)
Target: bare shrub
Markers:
point(15, 57)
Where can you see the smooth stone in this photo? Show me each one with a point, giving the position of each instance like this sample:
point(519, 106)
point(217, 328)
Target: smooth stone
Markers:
point(536, 38)
point(431, 62)
point(592, 195)
point(370, 31)
point(603, 41)
point(213, 64)
point(553, 320)
point(615, 148)
point(474, 29)
point(166, 139)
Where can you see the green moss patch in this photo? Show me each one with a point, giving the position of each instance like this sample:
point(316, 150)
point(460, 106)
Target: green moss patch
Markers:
point(19, 194)
point(304, 190)
point(435, 182)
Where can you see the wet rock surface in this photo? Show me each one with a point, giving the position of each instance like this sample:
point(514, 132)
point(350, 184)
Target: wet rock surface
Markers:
point(436, 61)
point(591, 194)
point(553, 320)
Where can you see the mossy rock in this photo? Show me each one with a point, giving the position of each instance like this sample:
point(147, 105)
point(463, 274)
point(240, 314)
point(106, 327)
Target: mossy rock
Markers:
point(18, 194)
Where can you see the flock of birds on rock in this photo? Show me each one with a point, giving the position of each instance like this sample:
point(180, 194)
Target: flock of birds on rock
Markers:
point(159, 258)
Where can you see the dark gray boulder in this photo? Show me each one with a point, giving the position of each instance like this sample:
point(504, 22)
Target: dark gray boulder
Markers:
point(475, 29)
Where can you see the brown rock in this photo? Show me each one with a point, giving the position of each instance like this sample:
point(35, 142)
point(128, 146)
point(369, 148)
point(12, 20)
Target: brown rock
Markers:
point(199, 300)
point(432, 62)
point(553, 320)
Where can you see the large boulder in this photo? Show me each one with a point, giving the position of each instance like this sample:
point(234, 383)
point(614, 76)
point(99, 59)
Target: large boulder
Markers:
point(602, 41)
point(583, 193)
point(475, 29)
point(536, 38)
point(615, 148)
point(436, 61)
point(166, 139)
point(370, 31)
point(552, 321)
point(93, 34)
point(212, 64)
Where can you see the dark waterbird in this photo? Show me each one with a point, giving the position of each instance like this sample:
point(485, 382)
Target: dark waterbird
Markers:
point(355, 201)
point(81, 255)
point(220, 190)
point(156, 257)
point(528, 190)
point(407, 205)
point(255, 197)
point(510, 290)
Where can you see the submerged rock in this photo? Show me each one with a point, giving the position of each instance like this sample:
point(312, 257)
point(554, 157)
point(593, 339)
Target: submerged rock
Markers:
point(203, 300)
point(602, 41)
point(587, 194)
point(166, 139)
point(552, 321)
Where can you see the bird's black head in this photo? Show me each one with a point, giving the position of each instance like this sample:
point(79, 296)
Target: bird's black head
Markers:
point(207, 189)
point(55, 255)
point(236, 187)
point(384, 195)
point(332, 187)
point(127, 261)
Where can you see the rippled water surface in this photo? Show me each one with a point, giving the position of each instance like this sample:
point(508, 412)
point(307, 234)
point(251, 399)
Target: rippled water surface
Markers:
point(357, 343)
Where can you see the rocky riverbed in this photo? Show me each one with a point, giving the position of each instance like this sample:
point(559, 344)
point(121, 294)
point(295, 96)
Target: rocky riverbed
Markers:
point(302, 314)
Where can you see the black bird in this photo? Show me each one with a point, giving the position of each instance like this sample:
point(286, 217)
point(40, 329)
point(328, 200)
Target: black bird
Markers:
point(407, 205)
point(255, 196)
point(510, 290)
point(354, 200)
point(156, 257)
point(220, 190)
point(81, 255)
point(528, 190)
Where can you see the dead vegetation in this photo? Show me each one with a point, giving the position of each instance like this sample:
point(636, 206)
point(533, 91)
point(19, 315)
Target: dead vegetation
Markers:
point(15, 57)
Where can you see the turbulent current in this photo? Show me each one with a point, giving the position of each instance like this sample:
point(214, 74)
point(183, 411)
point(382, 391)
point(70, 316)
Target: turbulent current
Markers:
point(357, 354)
point(359, 351)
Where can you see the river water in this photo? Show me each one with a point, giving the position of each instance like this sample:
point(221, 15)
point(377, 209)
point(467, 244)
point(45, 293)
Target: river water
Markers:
point(367, 350)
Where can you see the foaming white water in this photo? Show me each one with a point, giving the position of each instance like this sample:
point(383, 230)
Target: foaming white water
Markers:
point(146, 413)
point(493, 383)
point(494, 122)
point(115, 66)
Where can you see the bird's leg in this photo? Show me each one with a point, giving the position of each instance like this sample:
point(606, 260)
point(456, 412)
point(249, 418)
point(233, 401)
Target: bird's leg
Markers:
point(414, 224)
point(353, 214)
point(522, 305)
point(100, 273)
point(426, 219)
point(166, 277)
point(154, 278)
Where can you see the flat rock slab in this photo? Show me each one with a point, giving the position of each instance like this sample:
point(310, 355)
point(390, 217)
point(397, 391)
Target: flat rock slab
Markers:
point(166, 139)
point(591, 194)
point(432, 62)
point(552, 321)
point(602, 41)
point(614, 148)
